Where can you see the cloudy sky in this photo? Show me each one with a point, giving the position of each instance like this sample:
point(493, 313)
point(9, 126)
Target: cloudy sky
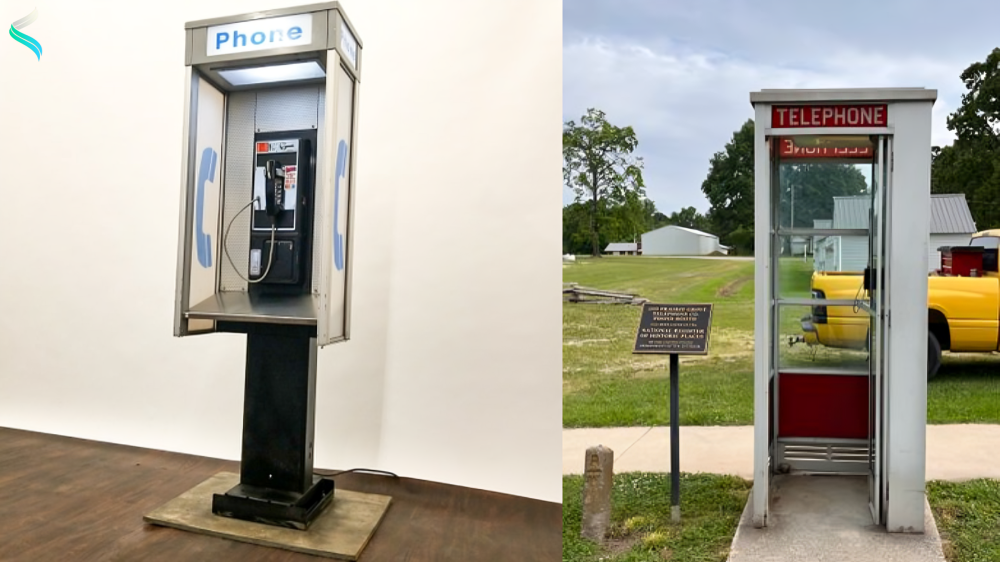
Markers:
point(680, 71)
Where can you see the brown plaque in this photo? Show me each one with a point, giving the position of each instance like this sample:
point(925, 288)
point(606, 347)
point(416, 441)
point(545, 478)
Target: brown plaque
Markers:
point(680, 329)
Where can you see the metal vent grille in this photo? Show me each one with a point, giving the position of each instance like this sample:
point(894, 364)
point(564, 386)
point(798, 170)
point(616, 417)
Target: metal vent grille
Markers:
point(287, 108)
point(238, 186)
point(832, 457)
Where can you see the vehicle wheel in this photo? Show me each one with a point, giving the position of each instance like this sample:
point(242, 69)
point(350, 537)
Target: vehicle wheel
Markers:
point(933, 355)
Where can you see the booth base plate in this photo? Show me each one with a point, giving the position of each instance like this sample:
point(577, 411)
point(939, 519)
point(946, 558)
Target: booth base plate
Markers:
point(341, 531)
point(827, 519)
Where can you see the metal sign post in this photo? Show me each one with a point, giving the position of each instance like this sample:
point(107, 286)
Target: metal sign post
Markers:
point(674, 329)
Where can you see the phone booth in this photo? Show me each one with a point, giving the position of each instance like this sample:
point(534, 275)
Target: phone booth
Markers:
point(267, 173)
point(842, 203)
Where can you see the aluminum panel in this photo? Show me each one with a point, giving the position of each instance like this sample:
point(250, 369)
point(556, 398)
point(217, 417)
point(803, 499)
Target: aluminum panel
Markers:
point(263, 14)
point(182, 290)
point(287, 108)
point(319, 249)
point(842, 95)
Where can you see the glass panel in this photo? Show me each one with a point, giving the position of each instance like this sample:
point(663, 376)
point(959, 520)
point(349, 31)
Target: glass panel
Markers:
point(822, 338)
point(831, 264)
point(988, 242)
point(813, 171)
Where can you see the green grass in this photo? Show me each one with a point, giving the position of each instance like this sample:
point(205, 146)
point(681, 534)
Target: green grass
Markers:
point(641, 529)
point(967, 516)
point(966, 390)
point(605, 385)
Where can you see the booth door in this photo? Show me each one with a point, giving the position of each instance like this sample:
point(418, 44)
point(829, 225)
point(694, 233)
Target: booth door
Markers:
point(878, 309)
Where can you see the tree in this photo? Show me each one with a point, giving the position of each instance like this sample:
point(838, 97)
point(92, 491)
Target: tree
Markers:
point(624, 222)
point(729, 188)
point(812, 187)
point(598, 165)
point(576, 229)
point(688, 217)
point(971, 165)
point(729, 185)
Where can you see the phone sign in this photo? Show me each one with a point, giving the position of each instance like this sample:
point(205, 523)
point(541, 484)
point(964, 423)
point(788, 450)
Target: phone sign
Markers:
point(255, 35)
point(349, 44)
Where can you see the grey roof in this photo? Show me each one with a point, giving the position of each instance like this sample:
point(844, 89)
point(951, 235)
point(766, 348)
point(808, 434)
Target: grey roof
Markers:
point(949, 213)
point(851, 212)
point(622, 247)
point(822, 223)
point(685, 229)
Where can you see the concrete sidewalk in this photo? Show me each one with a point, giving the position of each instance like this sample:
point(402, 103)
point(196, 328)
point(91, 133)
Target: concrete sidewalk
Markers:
point(954, 452)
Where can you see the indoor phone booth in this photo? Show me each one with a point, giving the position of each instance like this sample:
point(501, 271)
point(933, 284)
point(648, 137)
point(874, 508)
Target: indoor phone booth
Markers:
point(270, 129)
point(842, 202)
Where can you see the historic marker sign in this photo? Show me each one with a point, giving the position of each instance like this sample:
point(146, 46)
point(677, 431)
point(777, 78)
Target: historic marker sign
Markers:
point(803, 116)
point(674, 329)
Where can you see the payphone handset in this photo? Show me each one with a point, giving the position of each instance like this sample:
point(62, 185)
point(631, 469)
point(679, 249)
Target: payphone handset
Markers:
point(274, 189)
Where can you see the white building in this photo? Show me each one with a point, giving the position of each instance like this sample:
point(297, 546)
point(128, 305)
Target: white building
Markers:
point(622, 249)
point(951, 225)
point(674, 240)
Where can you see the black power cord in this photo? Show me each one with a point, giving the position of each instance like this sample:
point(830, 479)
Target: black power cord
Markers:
point(356, 470)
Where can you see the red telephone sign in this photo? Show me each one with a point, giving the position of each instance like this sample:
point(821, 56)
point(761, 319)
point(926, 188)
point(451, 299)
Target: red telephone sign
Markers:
point(803, 116)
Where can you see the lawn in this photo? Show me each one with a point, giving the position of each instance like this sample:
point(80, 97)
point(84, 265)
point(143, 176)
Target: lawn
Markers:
point(967, 514)
point(604, 385)
point(641, 529)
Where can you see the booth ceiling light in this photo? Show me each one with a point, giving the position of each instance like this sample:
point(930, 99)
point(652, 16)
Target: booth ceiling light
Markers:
point(273, 73)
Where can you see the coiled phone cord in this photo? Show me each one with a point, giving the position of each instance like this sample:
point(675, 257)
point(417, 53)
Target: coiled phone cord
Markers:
point(270, 254)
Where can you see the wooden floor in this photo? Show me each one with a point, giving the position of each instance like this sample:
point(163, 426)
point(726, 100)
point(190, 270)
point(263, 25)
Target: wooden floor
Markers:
point(76, 500)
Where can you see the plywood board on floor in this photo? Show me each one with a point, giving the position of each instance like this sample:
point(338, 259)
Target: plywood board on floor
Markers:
point(341, 531)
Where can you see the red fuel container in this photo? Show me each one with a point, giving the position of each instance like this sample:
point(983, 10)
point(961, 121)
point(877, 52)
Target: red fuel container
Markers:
point(961, 261)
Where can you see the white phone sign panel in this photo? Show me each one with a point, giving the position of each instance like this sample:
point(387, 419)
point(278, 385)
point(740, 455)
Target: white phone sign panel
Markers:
point(208, 167)
point(349, 44)
point(256, 35)
point(337, 210)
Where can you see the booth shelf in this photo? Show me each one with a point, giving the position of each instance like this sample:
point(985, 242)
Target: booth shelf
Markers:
point(240, 307)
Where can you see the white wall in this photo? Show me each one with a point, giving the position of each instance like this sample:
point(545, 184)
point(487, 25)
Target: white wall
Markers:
point(437, 383)
point(938, 240)
point(853, 253)
point(708, 244)
point(668, 241)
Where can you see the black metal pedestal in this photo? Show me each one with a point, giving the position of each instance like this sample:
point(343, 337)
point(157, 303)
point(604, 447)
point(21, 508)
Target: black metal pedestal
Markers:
point(277, 485)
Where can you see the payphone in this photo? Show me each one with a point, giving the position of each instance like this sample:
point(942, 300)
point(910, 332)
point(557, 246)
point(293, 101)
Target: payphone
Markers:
point(281, 223)
point(268, 155)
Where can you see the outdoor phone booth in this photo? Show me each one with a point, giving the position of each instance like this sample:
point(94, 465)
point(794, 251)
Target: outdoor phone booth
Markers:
point(846, 173)
point(270, 136)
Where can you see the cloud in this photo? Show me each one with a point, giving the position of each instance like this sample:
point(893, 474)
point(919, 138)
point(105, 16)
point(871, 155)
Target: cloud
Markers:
point(686, 100)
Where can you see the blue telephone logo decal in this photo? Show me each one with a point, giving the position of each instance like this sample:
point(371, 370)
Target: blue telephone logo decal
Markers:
point(338, 237)
point(206, 173)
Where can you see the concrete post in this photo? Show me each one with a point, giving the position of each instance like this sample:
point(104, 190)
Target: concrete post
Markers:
point(598, 473)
